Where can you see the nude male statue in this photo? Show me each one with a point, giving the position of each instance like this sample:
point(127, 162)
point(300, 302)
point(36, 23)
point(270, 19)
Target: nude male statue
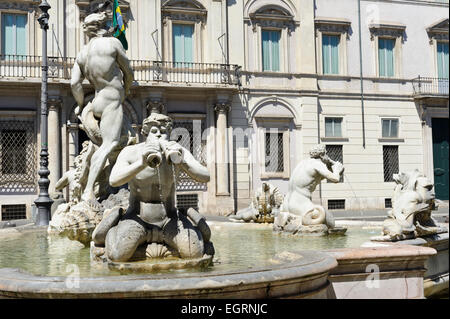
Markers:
point(149, 169)
point(104, 63)
point(305, 177)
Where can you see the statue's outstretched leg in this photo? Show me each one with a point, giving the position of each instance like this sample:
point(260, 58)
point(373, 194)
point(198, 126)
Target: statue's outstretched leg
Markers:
point(123, 240)
point(182, 236)
point(111, 128)
point(108, 221)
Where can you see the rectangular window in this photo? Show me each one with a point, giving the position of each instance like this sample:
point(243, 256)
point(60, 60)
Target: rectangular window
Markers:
point(335, 152)
point(186, 201)
point(187, 132)
point(14, 37)
point(17, 156)
point(13, 144)
point(387, 203)
point(333, 127)
point(386, 57)
point(13, 212)
point(336, 204)
point(390, 162)
point(271, 50)
point(183, 49)
point(389, 128)
point(442, 60)
point(330, 54)
point(274, 152)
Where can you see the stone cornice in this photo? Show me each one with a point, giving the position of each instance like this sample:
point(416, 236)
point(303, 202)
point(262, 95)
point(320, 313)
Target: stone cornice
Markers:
point(25, 5)
point(86, 7)
point(439, 31)
point(387, 29)
point(332, 25)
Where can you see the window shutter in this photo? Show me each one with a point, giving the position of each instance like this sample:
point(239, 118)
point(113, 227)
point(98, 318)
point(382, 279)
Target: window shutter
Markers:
point(188, 32)
point(21, 36)
point(334, 55)
point(326, 54)
point(177, 43)
point(8, 37)
point(442, 57)
point(275, 50)
point(382, 57)
point(390, 57)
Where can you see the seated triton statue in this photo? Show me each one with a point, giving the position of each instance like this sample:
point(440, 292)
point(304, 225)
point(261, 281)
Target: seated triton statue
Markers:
point(298, 214)
point(412, 203)
point(152, 221)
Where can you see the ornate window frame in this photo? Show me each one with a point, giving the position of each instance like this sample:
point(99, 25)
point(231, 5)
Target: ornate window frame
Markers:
point(271, 18)
point(31, 10)
point(336, 27)
point(392, 31)
point(437, 32)
point(183, 12)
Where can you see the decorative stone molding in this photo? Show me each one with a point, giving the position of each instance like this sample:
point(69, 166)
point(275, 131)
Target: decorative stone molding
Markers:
point(28, 6)
point(190, 11)
point(328, 25)
point(222, 107)
point(86, 7)
point(389, 30)
point(439, 31)
point(271, 17)
point(156, 106)
point(54, 103)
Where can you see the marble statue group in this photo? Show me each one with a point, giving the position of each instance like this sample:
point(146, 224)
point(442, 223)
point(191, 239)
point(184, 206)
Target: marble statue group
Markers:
point(142, 222)
point(122, 194)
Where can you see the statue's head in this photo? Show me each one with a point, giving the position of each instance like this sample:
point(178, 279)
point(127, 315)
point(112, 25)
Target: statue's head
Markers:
point(265, 187)
point(94, 25)
point(318, 151)
point(158, 125)
point(416, 182)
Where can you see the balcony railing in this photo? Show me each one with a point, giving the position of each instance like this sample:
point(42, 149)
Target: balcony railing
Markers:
point(185, 72)
point(430, 86)
point(29, 66)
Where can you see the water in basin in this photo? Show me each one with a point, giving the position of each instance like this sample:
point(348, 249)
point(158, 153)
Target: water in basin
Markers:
point(238, 247)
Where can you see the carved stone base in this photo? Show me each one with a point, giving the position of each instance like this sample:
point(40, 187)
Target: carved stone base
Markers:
point(406, 236)
point(292, 224)
point(142, 263)
point(78, 221)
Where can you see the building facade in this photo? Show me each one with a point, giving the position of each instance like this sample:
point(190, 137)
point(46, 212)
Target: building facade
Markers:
point(254, 83)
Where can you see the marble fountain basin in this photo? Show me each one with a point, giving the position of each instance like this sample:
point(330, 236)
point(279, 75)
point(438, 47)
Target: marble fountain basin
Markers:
point(250, 262)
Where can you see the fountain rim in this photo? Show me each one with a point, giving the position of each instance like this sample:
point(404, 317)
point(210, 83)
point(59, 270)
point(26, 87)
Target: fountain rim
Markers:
point(311, 270)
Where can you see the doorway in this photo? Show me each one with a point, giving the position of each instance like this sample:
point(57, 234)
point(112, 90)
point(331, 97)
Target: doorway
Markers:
point(440, 157)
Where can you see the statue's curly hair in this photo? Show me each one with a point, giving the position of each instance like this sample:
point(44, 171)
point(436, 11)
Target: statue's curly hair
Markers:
point(94, 23)
point(318, 151)
point(156, 119)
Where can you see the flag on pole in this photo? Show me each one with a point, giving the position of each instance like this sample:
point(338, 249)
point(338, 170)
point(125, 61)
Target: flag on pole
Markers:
point(118, 25)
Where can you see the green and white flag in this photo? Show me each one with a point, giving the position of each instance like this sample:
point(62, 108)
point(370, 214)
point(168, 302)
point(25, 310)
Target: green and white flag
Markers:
point(118, 25)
